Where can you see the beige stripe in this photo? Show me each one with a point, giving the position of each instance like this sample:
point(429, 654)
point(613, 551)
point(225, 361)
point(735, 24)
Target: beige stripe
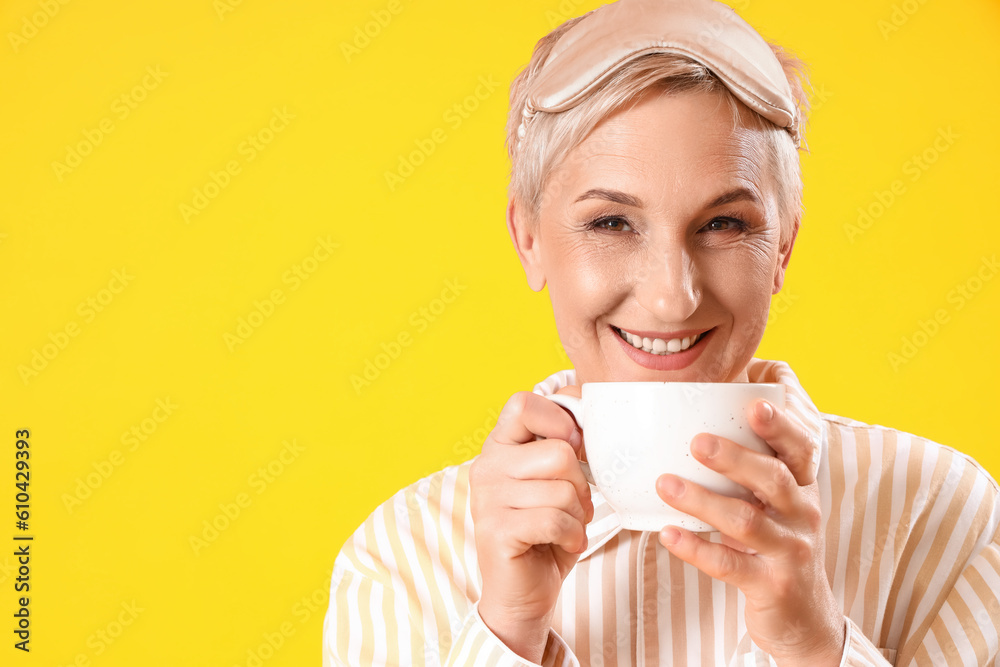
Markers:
point(353, 555)
point(732, 623)
point(861, 650)
point(365, 612)
point(944, 640)
point(928, 572)
point(343, 620)
point(390, 627)
point(987, 596)
point(424, 554)
point(459, 508)
point(835, 469)
point(581, 642)
point(706, 614)
point(989, 604)
point(462, 642)
point(862, 454)
point(415, 617)
point(566, 617)
point(883, 528)
point(917, 529)
point(692, 609)
point(633, 600)
point(650, 617)
point(921, 657)
point(992, 556)
point(460, 604)
point(597, 602)
point(914, 481)
point(678, 612)
point(493, 657)
point(973, 635)
point(609, 650)
point(973, 533)
point(389, 599)
point(559, 657)
point(552, 653)
point(719, 619)
point(798, 414)
point(664, 596)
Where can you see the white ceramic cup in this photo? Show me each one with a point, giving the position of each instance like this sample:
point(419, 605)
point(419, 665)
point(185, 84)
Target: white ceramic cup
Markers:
point(636, 431)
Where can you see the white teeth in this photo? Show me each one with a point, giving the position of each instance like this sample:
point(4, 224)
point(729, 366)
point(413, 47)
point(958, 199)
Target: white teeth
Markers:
point(658, 345)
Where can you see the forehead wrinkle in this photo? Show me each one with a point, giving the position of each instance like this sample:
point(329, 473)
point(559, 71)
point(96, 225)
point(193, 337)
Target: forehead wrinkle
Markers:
point(617, 150)
point(744, 167)
point(613, 168)
point(607, 150)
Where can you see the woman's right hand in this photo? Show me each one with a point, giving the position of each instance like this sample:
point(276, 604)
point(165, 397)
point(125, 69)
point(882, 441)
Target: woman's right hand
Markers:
point(530, 506)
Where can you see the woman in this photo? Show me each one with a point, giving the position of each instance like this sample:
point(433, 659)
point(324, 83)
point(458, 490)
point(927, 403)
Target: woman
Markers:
point(655, 190)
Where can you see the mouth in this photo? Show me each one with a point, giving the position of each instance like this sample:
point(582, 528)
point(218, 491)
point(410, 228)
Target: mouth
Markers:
point(659, 346)
point(671, 352)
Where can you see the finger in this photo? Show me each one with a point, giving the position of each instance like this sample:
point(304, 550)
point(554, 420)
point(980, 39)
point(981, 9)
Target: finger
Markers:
point(545, 460)
point(767, 477)
point(546, 525)
point(716, 560)
point(734, 517)
point(527, 414)
point(559, 493)
point(794, 445)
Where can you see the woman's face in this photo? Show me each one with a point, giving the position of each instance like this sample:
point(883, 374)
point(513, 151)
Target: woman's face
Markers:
point(663, 224)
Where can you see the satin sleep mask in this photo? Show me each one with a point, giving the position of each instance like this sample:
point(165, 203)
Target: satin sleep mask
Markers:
point(708, 32)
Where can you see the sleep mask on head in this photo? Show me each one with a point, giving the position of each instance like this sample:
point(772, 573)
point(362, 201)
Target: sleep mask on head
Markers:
point(708, 32)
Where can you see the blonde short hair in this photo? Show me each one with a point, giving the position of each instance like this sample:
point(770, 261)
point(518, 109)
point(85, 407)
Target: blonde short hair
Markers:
point(549, 137)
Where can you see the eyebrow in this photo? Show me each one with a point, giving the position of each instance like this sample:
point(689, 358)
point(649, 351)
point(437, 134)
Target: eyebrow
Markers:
point(738, 194)
point(735, 195)
point(612, 196)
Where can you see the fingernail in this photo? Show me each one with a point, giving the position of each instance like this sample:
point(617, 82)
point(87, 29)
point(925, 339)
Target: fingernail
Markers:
point(764, 411)
point(575, 439)
point(672, 486)
point(670, 536)
point(706, 446)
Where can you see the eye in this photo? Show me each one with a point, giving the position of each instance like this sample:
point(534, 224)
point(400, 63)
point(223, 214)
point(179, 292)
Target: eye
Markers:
point(611, 223)
point(725, 225)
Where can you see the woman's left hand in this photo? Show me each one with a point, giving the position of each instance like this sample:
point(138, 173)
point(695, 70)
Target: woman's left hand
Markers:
point(773, 550)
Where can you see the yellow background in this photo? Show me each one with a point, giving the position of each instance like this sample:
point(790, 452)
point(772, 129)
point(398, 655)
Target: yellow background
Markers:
point(884, 92)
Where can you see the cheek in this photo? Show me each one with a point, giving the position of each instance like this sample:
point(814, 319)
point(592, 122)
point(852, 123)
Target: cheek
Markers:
point(743, 286)
point(583, 287)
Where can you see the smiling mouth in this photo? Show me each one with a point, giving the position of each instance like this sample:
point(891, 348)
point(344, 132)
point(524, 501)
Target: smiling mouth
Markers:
point(659, 346)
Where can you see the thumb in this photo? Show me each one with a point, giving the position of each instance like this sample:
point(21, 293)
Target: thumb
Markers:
point(578, 444)
point(571, 390)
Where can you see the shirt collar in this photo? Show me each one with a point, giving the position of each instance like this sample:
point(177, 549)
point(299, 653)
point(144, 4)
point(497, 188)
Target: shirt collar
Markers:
point(605, 524)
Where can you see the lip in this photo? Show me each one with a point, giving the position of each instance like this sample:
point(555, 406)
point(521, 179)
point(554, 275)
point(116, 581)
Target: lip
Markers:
point(668, 335)
point(669, 362)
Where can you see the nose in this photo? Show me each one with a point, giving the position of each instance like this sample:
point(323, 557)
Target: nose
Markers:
point(667, 285)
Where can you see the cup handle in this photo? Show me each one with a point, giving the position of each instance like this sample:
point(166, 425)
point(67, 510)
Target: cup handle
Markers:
point(575, 407)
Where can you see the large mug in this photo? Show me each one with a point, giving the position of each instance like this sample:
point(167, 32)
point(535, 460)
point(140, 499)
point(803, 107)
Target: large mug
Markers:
point(636, 431)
